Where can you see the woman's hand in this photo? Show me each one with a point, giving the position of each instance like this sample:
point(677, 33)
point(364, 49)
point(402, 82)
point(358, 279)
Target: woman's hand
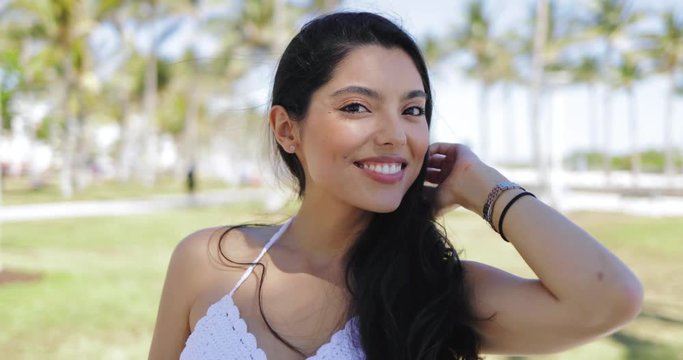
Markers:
point(462, 179)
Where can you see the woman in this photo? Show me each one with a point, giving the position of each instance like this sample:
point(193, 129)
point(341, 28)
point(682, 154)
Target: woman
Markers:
point(362, 270)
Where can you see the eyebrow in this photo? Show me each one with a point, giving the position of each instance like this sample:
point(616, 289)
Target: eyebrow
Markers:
point(361, 90)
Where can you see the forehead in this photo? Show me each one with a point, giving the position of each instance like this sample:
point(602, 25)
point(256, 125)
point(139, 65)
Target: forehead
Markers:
point(389, 70)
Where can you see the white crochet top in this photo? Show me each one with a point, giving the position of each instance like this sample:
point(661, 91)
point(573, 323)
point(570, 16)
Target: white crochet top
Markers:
point(222, 334)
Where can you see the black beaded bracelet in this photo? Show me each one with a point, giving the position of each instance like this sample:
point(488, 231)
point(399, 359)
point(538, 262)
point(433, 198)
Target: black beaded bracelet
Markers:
point(505, 210)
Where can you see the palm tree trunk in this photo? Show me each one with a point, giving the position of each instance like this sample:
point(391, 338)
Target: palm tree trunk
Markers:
point(538, 65)
point(2, 168)
point(81, 155)
point(607, 117)
point(66, 171)
point(633, 125)
point(669, 166)
point(2, 178)
point(125, 145)
point(191, 129)
point(555, 146)
point(125, 148)
point(607, 134)
point(484, 122)
point(34, 178)
point(54, 132)
point(150, 103)
point(509, 118)
point(594, 124)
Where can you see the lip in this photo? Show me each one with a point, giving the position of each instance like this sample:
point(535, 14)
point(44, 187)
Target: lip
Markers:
point(379, 177)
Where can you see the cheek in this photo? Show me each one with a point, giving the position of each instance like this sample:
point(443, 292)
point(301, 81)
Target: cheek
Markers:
point(331, 144)
point(339, 139)
point(420, 140)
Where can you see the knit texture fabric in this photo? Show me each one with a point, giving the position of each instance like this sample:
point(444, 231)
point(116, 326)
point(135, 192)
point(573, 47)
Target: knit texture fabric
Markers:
point(222, 334)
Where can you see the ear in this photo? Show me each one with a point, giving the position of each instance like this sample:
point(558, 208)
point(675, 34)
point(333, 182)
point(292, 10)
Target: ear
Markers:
point(285, 129)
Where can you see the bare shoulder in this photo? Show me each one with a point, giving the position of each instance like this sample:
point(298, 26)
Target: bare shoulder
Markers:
point(209, 258)
point(211, 247)
point(196, 260)
point(196, 271)
point(202, 248)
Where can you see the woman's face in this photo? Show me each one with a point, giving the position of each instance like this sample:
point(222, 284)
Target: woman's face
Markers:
point(365, 134)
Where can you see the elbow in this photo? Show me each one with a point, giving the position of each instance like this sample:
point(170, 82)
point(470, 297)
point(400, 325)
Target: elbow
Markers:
point(622, 305)
point(630, 303)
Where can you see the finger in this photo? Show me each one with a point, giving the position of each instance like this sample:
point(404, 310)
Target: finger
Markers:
point(439, 148)
point(436, 160)
point(434, 176)
point(446, 148)
point(447, 165)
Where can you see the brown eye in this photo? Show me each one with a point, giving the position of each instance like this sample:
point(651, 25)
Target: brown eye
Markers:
point(414, 111)
point(355, 108)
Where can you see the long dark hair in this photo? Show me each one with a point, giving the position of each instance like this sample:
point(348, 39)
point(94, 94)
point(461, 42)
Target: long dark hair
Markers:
point(406, 282)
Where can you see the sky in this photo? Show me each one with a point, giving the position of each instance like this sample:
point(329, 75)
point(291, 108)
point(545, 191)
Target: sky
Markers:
point(457, 98)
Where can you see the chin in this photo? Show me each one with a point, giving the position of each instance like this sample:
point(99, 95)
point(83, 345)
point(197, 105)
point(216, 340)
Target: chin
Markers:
point(383, 207)
point(382, 201)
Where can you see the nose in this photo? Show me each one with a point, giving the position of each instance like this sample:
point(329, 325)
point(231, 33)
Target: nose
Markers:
point(390, 131)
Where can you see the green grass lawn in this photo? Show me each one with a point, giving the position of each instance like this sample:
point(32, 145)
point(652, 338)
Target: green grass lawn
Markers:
point(18, 190)
point(101, 280)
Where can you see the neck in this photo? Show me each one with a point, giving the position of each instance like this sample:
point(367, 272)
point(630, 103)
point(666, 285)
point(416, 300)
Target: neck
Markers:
point(323, 231)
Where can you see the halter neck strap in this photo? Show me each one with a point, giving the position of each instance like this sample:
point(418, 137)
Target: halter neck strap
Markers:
point(270, 243)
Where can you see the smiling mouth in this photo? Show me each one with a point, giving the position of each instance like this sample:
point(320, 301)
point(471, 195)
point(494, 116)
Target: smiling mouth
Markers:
point(381, 168)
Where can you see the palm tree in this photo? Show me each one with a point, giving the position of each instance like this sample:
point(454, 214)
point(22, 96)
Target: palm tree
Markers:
point(666, 49)
point(9, 72)
point(476, 40)
point(541, 33)
point(4, 96)
point(543, 52)
point(587, 72)
point(611, 20)
point(62, 28)
point(628, 73)
point(144, 68)
point(120, 89)
point(509, 76)
point(55, 24)
point(149, 135)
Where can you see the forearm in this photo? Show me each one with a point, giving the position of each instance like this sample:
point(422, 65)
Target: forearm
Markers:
point(574, 267)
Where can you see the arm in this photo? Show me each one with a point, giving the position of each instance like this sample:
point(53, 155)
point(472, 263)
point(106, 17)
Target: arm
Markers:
point(182, 283)
point(582, 292)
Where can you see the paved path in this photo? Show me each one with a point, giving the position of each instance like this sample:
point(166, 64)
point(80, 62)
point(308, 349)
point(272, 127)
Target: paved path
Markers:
point(565, 197)
point(653, 195)
point(29, 212)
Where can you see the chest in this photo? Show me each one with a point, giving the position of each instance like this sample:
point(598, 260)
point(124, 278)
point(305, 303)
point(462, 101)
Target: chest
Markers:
point(303, 310)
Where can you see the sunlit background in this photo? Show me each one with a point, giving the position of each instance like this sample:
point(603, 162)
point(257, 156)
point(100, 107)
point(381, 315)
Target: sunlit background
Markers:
point(128, 124)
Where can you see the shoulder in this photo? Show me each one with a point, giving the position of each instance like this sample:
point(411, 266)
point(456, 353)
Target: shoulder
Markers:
point(207, 254)
point(196, 271)
point(210, 248)
point(190, 272)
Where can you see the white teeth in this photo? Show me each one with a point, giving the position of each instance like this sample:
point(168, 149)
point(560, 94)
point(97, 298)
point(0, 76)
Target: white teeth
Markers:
point(383, 168)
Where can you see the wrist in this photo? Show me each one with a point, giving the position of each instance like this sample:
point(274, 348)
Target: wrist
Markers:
point(497, 190)
point(484, 181)
point(502, 200)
